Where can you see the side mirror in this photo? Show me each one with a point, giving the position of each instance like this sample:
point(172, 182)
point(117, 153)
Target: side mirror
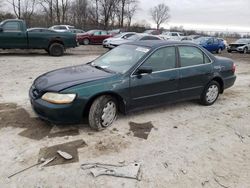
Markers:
point(1, 29)
point(144, 70)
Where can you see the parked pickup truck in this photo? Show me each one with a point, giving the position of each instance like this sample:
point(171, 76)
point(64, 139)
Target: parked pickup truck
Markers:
point(14, 35)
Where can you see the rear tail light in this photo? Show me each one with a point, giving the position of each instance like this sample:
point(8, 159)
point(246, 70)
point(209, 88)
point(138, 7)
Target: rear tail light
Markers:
point(234, 68)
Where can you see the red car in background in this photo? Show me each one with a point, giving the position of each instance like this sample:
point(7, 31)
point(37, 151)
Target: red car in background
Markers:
point(92, 37)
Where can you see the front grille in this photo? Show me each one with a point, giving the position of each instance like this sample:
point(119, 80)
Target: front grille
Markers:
point(35, 93)
point(236, 45)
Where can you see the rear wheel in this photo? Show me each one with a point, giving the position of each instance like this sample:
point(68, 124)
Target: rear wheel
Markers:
point(210, 93)
point(229, 51)
point(56, 49)
point(85, 41)
point(103, 112)
point(219, 51)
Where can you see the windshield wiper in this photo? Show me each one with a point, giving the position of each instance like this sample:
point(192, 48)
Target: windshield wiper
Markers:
point(101, 68)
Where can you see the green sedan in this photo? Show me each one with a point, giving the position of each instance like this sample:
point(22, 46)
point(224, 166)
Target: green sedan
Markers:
point(131, 77)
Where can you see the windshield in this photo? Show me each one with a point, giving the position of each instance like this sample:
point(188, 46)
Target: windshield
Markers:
point(134, 37)
point(148, 31)
point(118, 35)
point(121, 59)
point(91, 31)
point(201, 39)
point(242, 41)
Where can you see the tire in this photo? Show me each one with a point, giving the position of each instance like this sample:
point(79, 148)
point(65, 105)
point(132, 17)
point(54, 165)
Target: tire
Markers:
point(85, 42)
point(229, 51)
point(219, 51)
point(56, 49)
point(210, 93)
point(102, 106)
point(245, 51)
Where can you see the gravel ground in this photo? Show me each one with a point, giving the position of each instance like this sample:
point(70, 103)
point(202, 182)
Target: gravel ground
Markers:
point(186, 144)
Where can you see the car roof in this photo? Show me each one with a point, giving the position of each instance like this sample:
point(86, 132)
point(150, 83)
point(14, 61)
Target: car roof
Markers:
point(38, 28)
point(160, 43)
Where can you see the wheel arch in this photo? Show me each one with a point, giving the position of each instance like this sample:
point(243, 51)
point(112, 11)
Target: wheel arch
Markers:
point(82, 39)
point(220, 81)
point(120, 101)
point(55, 40)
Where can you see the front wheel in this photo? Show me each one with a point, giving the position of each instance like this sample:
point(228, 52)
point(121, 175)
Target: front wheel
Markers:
point(103, 112)
point(210, 93)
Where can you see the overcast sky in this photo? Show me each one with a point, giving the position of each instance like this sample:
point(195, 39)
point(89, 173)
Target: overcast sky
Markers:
point(221, 15)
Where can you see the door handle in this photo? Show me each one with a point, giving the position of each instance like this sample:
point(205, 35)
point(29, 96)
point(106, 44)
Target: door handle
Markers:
point(172, 79)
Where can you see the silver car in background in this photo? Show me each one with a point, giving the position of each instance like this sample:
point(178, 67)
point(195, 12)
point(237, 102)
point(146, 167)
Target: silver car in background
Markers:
point(242, 45)
point(133, 38)
point(122, 36)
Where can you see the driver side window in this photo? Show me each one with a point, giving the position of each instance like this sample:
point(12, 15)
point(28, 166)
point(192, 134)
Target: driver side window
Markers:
point(162, 59)
point(12, 26)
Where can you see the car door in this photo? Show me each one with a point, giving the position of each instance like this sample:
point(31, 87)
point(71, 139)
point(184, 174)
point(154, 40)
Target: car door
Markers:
point(211, 45)
point(160, 86)
point(216, 44)
point(104, 35)
point(12, 35)
point(195, 71)
point(96, 37)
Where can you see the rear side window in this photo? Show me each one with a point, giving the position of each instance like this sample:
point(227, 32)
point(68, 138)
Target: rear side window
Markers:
point(62, 28)
point(149, 38)
point(162, 59)
point(104, 33)
point(97, 33)
point(190, 56)
point(12, 26)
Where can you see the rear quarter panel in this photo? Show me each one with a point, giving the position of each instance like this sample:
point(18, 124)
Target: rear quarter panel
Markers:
point(223, 67)
point(42, 40)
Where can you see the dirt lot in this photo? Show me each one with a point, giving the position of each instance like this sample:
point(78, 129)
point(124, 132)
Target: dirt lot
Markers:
point(180, 145)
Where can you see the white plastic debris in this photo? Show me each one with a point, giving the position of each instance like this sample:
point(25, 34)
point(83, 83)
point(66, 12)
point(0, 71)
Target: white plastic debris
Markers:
point(64, 154)
point(126, 171)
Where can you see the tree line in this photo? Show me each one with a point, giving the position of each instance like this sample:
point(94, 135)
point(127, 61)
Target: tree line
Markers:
point(85, 14)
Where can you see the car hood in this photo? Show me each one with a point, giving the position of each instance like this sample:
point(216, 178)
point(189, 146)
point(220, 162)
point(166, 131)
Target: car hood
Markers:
point(61, 79)
point(113, 39)
point(120, 41)
point(239, 44)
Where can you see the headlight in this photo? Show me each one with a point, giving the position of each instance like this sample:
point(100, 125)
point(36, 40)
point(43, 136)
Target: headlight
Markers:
point(58, 98)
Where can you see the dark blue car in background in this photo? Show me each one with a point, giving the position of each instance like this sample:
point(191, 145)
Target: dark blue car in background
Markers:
point(212, 44)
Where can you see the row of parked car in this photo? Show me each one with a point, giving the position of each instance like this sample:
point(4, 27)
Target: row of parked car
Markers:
point(111, 39)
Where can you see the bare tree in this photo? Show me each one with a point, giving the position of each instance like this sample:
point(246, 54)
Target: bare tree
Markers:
point(107, 8)
point(65, 6)
point(79, 12)
point(16, 7)
point(23, 9)
point(132, 7)
point(160, 14)
point(47, 6)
